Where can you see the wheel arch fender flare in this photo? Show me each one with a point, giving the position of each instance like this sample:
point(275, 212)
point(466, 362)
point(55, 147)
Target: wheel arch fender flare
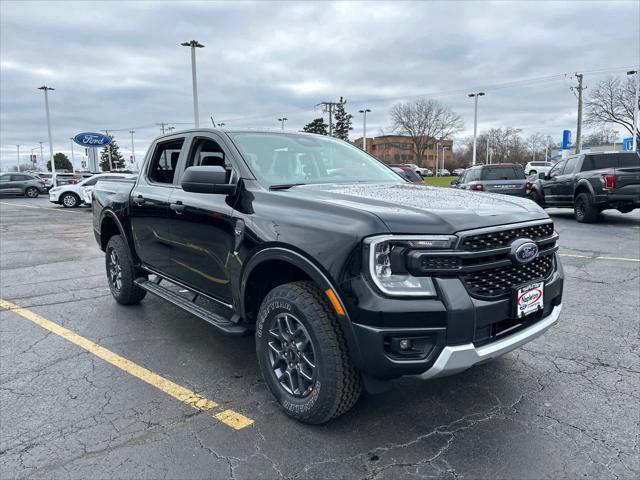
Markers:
point(582, 185)
point(112, 216)
point(315, 272)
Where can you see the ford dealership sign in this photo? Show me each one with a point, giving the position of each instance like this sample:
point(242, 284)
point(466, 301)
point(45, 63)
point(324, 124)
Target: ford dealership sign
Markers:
point(89, 139)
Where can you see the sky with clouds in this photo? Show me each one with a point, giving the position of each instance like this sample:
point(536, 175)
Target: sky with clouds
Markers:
point(119, 65)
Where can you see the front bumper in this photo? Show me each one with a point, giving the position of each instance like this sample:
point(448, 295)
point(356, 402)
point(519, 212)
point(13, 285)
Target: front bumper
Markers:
point(458, 358)
point(54, 197)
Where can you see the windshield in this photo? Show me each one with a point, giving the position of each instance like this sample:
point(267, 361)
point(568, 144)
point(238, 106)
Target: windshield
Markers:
point(503, 172)
point(282, 159)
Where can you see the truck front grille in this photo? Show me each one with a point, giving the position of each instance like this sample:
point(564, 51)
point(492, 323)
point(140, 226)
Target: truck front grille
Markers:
point(502, 238)
point(495, 282)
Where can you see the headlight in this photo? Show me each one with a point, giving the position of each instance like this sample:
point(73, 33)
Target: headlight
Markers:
point(387, 263)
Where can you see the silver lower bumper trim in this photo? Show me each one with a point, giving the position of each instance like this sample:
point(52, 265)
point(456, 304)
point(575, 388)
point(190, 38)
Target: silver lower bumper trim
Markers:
point(458, 358)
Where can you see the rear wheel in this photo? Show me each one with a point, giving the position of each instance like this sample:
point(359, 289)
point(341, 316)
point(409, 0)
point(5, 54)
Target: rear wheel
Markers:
point(535, 196)
point(532, 172)
point(31, 192)
point(121, 273)
point(625, 209)
point(69, 200)
point(303, 355)
point(584, 210)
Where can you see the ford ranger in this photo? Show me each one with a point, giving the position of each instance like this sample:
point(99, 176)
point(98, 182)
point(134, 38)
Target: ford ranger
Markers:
point(347, 275)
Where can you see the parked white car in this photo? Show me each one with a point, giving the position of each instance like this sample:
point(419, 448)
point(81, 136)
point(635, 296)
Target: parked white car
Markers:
point(533, 168)
point(72, 196)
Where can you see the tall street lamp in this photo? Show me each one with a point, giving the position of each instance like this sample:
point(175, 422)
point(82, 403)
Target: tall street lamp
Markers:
point(635, 109)
point(18, 146)
point(46, 107)
point(475, 122)
point(73, 158)
point(364, 127)
point(133, 149)
point(282, 120)
point(193, 44)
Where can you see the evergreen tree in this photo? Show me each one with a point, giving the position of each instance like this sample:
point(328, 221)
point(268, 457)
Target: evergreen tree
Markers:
point(117, 160)
point(62, 163)
point(343, 121)
point(317, 126)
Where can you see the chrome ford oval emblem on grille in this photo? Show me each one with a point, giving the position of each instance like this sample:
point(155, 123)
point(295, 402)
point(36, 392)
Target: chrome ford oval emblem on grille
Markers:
point(523, 251)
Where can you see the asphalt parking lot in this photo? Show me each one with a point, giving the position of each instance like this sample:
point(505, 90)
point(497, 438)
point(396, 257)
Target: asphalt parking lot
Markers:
point(564, 406)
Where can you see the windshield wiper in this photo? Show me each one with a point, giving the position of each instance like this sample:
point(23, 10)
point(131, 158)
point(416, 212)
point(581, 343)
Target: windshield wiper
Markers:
point(284, 186)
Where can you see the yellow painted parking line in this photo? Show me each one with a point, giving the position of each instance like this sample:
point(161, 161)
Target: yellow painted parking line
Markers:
point(622, 259)
point(231, 418)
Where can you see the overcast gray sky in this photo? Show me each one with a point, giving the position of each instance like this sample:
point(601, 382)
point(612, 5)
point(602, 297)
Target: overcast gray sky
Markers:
point(118, 65)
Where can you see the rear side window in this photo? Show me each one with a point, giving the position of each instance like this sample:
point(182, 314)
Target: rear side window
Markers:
point(20, 178)
point(165, 160)
point(503, 172)
point(610, 160)
point(570, 166)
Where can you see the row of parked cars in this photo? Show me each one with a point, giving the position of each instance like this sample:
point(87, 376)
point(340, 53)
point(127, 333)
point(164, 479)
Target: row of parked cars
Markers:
point(588, 183)
point(68, 190)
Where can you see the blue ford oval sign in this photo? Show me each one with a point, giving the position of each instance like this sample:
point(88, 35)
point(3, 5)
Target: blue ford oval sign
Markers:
point(90, 139)
point(523, 251)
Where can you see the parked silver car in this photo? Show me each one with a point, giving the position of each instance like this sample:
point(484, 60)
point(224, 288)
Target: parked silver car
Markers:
point(21, 184)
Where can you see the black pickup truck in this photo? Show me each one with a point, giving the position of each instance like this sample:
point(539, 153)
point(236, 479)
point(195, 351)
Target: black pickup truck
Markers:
point(590, 183)
point(348, 275)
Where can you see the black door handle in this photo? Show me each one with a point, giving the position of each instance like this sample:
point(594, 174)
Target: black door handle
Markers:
point(139, 200)
point(177, 207)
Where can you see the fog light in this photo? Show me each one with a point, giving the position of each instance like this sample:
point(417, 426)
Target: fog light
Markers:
point(405, 344)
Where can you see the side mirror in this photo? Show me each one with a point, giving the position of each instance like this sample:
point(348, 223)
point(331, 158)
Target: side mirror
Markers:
point(209, 179)
point(542, 176)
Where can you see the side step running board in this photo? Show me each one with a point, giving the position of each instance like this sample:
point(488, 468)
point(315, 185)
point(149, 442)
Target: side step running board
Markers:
point(193, 308)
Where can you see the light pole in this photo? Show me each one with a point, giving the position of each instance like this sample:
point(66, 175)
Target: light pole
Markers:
point(635, 109)
point(193, 44)
point(133, 149)
point(475, 122)
point(364, 127)
point(73, 158)
point(42, 156)
point(282, 120)
point(18, 146)
point(46, 107)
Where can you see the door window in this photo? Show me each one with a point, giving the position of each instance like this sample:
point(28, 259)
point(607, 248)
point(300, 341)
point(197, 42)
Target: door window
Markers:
point(208, 153)
point(557, 170)
point(5, 178)
point(165, 160)
point(19, 178)
point(570, 165)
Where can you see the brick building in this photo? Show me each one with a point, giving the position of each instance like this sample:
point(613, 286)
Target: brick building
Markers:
point(400, 149)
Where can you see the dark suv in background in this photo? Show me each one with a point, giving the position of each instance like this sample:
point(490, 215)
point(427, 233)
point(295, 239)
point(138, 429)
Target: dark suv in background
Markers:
point(590, 183)
point(21, 184)
point(505, 178)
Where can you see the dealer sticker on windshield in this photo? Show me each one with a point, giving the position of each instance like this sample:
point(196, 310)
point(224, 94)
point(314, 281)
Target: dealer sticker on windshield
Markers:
point(530, 299)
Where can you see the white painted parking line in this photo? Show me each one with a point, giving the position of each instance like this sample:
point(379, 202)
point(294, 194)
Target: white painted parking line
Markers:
point(591, 257)
point(50, 209)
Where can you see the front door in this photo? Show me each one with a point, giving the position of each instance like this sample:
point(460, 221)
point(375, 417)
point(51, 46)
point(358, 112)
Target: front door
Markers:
point(150, 204)
point(550, 186)
point(202, 226)
point(564, 182)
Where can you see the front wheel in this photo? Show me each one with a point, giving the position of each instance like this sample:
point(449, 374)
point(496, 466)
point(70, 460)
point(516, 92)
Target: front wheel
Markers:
point(31, 192)
point(121, 273)
point(584, 210)
point(69, 200)
point(303, 355)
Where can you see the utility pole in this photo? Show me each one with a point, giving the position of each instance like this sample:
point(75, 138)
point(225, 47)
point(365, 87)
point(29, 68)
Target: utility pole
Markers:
point(635, 109)
point(328, 107)
point(487, 160)
point(162, 125)
point(580, 88)
point(475, 121)
point(46, 106)
point(193, 44)
point(42, 157)
point(18, 146)
point(73, 159)
point(364, 127)
point(282, 120)
point(133, 149)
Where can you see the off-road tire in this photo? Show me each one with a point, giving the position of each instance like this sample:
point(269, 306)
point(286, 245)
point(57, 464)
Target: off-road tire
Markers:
point(69, 200)
point(337, 384)
point(535, 196)
point(126, 292)
point(584, 210)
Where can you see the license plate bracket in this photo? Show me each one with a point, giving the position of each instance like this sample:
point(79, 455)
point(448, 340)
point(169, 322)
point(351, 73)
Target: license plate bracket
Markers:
point(528, 299)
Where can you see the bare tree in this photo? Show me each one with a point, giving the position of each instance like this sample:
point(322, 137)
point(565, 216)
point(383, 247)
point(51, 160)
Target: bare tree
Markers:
point(535, 142)
point(603, 136)
point(424, 120)
point(611, 101)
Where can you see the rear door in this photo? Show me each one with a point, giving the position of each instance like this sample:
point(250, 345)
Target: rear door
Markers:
point(6, 185)
point(202, 228)
point(149, 203)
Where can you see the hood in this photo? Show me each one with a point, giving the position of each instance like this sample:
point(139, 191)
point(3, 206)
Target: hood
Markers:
point(407, 208)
